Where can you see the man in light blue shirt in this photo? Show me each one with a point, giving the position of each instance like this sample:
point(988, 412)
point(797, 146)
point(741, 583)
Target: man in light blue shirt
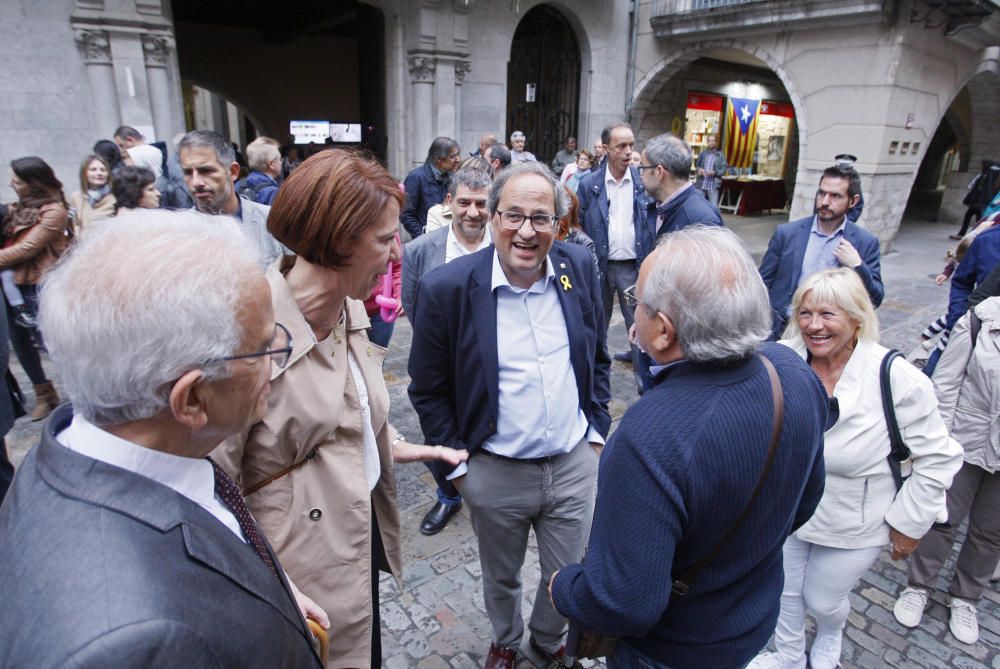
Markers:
point(509, 360)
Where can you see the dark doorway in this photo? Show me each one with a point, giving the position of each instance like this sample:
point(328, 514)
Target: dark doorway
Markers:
point(545, 62)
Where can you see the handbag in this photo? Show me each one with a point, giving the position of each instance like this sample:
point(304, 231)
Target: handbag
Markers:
point(587, 644)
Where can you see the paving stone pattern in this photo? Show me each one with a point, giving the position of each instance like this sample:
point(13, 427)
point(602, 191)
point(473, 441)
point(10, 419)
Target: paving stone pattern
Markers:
point(437, 621)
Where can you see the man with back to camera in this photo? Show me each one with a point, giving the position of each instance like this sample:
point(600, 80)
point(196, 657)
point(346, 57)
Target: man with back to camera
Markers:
point(613, 212)
point(498, 156)
point(210, 172)
point(826, 239)
point(469, 232)
point(676, 203)
point(142, 154)
point(427, 184)
point(119, 535)
point(684, 463)
point(508, 360)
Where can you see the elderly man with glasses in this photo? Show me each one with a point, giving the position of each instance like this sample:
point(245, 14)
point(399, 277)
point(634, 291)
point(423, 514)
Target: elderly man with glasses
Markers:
point(508, 360)
point(119, 531)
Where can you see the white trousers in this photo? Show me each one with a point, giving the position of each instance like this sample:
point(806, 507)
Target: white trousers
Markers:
point(819, 578)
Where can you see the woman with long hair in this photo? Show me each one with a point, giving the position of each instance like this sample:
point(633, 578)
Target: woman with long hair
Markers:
point(34, 235)
point(94, 200)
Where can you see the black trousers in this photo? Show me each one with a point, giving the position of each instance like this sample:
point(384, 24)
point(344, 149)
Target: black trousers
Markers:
point(379, 564)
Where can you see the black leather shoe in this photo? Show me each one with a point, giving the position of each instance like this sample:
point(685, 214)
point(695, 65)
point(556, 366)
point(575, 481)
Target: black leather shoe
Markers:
point(437, 517)
point(624, 356)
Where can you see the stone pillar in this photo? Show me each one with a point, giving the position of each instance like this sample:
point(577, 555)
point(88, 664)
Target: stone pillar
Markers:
point(422, 70)
point(156, 52)
point(95, 46)
point(444, 98)
point(462, 68)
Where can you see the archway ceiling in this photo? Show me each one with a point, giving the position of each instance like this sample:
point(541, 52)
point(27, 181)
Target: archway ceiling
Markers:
point(734, 56)
point(277, 21)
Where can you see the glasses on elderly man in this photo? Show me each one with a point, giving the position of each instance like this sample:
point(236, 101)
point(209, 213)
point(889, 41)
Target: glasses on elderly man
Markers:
point(513, 220)
point(631, 301)
point(279, 348)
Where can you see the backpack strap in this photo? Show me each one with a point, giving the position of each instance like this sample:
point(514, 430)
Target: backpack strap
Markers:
point(975, 325)
point(898, 451)
point(682, 584)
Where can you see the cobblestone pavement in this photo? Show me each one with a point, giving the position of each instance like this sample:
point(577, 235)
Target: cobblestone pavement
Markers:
point(436, 620)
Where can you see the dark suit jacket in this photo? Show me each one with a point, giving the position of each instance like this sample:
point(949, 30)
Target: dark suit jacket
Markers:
point(422, 255)
point(454, 368)
point(782, 266)
point(423, 191)
point(593, 195)
point(106, 568)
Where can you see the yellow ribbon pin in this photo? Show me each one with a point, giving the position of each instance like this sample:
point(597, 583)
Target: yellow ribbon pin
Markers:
point(564, 280)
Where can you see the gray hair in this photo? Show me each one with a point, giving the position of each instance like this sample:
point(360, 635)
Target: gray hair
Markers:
point(500, 152)
point(472, 178)
point(139, 301)
point(261, 151)
point(440, 148)
point(670, 152)
point(212, 140)
point(518, 169)
point(517, 134)
point(707, 283)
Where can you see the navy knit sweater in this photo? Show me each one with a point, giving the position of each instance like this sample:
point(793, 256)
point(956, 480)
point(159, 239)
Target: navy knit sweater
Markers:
point(673, 478)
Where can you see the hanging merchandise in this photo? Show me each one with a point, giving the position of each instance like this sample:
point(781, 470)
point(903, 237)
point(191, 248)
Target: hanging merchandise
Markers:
point(703, 118)
point(774, 130)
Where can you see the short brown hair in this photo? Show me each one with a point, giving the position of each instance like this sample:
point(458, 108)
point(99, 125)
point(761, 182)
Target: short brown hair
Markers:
point(327, 202)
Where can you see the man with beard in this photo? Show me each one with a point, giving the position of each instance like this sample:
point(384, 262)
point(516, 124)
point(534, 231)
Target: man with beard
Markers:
point(468, 233)
point(818, 242)
point(210, 170)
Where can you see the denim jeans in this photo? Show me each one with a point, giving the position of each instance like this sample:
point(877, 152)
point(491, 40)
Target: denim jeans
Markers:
point(381, 331)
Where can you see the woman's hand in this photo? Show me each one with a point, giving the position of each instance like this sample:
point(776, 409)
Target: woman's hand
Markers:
point(902, 545)
point(404, 451)
point(940, 278)
point(308, 608)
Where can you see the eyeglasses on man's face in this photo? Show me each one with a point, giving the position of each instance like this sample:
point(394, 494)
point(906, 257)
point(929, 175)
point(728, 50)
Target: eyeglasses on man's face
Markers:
point(513, 220)
point(645, 167)
point(279, 348)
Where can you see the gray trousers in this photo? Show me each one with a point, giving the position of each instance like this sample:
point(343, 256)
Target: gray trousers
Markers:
point(974, 493)
point(507, 499)
point(621, 274)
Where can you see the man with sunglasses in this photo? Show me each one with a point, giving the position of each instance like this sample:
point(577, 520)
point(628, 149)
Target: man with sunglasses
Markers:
point(508, 360)
point(119, 531)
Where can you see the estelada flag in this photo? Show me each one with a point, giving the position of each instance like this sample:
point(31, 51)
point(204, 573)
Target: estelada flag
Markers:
point(741, 131)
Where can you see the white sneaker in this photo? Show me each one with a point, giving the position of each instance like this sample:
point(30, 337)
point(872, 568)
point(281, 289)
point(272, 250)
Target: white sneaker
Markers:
point(825, 651)
point(909, 608)
point(963, 623)
point(773, 661)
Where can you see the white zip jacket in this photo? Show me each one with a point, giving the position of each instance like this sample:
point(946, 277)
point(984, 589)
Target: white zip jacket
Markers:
point(860, 501)
point(967, 382)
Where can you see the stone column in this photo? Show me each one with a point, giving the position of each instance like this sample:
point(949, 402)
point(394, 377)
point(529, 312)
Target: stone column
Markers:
point(462, 68)
point(95, 46)
point(422, 73)
point(156, 52)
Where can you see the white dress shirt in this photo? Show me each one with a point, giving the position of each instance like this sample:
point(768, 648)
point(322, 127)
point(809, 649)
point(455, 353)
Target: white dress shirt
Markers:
point(190, 477)
point(369, 448)
point(455, 249)
point(621, 230)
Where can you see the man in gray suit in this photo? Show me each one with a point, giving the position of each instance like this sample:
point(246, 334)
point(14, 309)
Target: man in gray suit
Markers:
point(468, 232)
point(121, 543)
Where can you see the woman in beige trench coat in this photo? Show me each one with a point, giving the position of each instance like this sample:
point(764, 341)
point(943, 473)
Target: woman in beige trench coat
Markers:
point(317, 471)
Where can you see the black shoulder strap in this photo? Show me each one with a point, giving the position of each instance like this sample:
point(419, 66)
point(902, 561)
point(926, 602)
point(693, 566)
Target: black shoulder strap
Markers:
point(682, 584)
point(898, 450)
point(975, 325)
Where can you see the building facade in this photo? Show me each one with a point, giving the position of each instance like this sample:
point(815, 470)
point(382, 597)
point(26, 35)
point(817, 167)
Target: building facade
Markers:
point(874, 78)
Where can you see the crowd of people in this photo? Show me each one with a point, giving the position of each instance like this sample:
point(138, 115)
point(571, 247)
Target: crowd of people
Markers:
point(220, 490)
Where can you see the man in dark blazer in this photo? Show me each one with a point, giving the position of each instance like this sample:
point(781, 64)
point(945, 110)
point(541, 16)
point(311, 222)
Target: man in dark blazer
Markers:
point(614, 213)
point(467, 233)
point(122, 545)
point(508, 360)
point(818, 242)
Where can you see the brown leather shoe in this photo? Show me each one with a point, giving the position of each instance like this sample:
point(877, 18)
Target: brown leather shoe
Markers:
point(500, 658)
